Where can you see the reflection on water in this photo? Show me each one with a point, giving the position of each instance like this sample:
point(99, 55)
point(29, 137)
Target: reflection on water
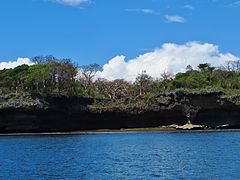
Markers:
point(122, 156)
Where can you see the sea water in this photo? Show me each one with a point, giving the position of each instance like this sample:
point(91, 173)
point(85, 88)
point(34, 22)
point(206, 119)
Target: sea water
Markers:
point(150, 155)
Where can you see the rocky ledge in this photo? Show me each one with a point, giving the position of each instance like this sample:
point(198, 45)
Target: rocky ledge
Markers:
point(53, 113)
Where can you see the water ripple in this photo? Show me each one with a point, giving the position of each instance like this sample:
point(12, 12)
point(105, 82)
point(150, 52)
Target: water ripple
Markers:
point(122, 156)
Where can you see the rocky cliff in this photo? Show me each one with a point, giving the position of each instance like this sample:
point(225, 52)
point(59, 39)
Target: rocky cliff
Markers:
point(54, 113)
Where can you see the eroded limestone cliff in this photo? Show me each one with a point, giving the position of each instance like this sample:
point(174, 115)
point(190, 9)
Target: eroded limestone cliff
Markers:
point(54, 113)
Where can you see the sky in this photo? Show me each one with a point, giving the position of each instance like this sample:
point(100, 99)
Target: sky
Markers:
point(125, 37)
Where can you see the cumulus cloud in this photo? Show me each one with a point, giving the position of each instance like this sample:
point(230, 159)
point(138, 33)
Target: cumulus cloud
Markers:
point(145, 11)
point(176, 19)
point(170, 57)
point(71, 2)
point(13, 64)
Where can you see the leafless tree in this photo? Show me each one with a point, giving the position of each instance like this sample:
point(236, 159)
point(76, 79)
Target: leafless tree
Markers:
point(233, 65)
point(143, 82)
point(118, 88)
point(88, 72)
point(113, 89)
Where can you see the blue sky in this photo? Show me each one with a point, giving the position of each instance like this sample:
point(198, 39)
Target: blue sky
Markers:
point(99, 30)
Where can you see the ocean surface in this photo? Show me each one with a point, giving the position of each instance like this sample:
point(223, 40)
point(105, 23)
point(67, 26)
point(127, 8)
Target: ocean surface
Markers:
point(150, 155)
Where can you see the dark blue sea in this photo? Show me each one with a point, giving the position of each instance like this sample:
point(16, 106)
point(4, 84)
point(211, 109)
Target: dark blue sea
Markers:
point(151, 155)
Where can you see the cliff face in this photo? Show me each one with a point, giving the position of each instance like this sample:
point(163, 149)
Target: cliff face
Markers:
point(26, 113)
point(212, 109)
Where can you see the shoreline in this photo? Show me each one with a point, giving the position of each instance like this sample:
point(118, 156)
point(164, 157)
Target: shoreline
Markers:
point(109, 131)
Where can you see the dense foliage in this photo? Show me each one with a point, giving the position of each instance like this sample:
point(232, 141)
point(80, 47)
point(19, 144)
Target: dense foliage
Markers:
point(61, 76)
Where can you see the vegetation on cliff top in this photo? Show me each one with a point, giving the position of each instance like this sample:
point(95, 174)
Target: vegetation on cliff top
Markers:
point(51, 75)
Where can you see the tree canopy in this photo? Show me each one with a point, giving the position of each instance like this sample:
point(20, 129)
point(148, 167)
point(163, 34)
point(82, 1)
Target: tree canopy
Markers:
point(52, 75)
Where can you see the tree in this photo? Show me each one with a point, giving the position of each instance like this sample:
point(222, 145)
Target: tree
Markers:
point(88, 72)
point(38, 76)
point(115, 89)
point(38, 59)
point(237, 65)
point(143, 82)
point(225, 79)
point(165, 78)
point(68, 74)
point(233, 65)
point(189, 68)
point(63, 74)
point(43, 59)
point(118, 88)
point(205, 67)
point(17, 76)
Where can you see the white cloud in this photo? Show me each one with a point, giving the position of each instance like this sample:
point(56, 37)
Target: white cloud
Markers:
point(177, 19)
point(13, 64)
point(170, 57)
point(187, 6)
point(71, 2)
point(145, 11)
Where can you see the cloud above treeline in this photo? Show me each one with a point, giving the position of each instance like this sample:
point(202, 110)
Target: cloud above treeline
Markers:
point(71, 2)
point(13, 64)
point(170, 57)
